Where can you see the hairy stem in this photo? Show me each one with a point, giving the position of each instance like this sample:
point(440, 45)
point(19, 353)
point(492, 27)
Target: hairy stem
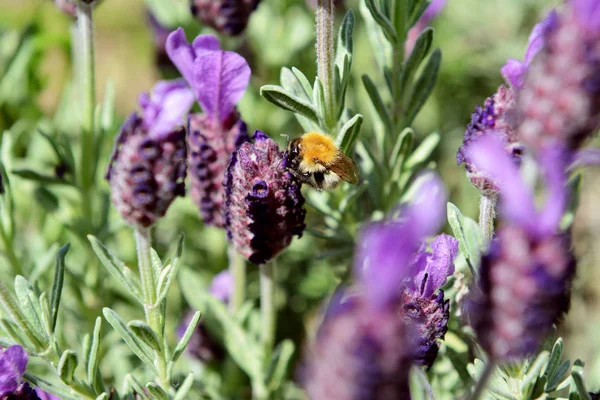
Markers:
point(487, 213)
point(326, 59)
point(483, 380)
point(237, 269)
point(267, 306)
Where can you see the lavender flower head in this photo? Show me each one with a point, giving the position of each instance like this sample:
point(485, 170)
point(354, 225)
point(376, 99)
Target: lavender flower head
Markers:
point(147, 169)
point(226, 16)
point(364, 348)
point(495, 118)
point(13, 362)
point(203, 346)
point(264, 205)
point(219, 79)
point(423, 304)
point(560, 97)
point(433, 10)
point(524, 286)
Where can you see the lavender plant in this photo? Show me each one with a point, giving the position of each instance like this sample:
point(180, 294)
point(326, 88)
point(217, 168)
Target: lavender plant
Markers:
point(285, 291)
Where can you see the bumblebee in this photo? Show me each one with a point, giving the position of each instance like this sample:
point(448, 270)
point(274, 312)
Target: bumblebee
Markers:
point(314, 159)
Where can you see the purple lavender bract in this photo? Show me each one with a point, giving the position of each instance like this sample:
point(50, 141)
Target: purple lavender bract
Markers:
point(219, 79)
point(13, 362)
point(147, 169)
point(264, 205)
point(226, 16)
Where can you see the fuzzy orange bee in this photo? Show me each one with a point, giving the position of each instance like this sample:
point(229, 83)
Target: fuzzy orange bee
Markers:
point(315, 159)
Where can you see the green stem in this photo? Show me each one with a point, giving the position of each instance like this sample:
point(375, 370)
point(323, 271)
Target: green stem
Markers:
point(267, 306)
point(483, 380)
point(326, 60)
point(9, 251)
point(87, 85)
point(237, 269)
point(487, 213)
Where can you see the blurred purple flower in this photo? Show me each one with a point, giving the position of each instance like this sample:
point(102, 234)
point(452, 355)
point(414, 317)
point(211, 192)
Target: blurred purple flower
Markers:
point(560, 97)
point(524, 286)
point(514, 70)
point(219, 79)
point(423, 304)
point(496, 118)
point(264, 205)
point(221, 287)
point(147, 169)
point(432, 11)
point(226, 16)
point(13, 362)
point(45, 396)
point(364, 348)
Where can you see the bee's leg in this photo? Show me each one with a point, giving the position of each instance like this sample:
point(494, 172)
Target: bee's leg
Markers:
point(303, 178)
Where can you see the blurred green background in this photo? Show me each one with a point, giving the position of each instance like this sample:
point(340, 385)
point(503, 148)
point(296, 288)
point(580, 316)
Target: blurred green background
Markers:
point(476, 38)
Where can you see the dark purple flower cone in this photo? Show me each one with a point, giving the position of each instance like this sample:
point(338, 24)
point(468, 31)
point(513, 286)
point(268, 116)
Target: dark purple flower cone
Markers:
point(560, 98)
point(264, 205)
point(210, 146)
point(360, 354)
point(524, 289)
point(226, 16)
point(146, 174)
point(495, 118)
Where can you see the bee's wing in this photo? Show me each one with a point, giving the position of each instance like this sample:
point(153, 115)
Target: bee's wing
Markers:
point(345, 167)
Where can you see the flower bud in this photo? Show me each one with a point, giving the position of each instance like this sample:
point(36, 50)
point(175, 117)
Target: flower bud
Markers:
point(226, 16)
point(264, 205)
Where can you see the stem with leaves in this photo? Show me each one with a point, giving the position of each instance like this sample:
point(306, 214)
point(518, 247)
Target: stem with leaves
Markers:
point(237, 269)
point(487, 213)
point(483, 380)
point(326, 60)
point(267, 306)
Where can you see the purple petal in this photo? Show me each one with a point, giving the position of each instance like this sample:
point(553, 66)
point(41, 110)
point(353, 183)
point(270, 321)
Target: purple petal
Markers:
point(514, 72)
point(44, 395)
point(585, 157)
point(587, 13)
point(222, 286)
point(537, 39)
point(553, 162)
point(488, 155)
point(221, 80)
point(13, 362)
point(386, 248)
point(182, 55)
point(205, 43)
point(163, 111)
point(440, 263)
point(434, 9)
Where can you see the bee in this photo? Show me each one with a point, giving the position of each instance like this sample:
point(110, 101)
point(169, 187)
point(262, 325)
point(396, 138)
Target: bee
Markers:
point(314, 159)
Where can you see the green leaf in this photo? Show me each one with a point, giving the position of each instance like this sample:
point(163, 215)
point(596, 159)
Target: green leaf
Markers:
point(185, 388)
point(59, 276)
point(12, 330)
point(144, 333)
point(38, 177)
point(378, 103)
point(114, 266)
point(424, 86)
point(382, 21)
point(168, 275)
point(292, 84)
point(156, 391)
point(558, 377)
point(132, 383)
point(402, 148)
point(555, 357)
point(46, 199)
point(139, 348)
point(31, 306)
point(60, 391)
point(345, 40)
point(91, 347)
point(352, 196)
point(469, 237)
point(189, 331)
point(343, 85)
point(422, 153)
point(419, 387)
point(280, 361)
point(66, 366)
point(103, 396)
point(417, 11)
point(577, 375)
point(319, 101)
point(287, 101)
point(157, 264)
point(46, 314)
point(13, 310)
point(418, 54)
point(107, 116)
point(349, 134)
point(304, 82)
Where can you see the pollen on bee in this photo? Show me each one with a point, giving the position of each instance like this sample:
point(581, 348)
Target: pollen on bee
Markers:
point(318, 146)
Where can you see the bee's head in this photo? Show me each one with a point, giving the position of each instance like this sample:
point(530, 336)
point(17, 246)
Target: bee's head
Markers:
point(293, 152)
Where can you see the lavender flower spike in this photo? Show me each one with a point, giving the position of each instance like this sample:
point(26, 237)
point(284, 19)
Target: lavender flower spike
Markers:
point(226, 16)
point(264, 205)
point(147, 169)
point(364, 349)
point(219, 79)
point(526, 275)
point(13, 362)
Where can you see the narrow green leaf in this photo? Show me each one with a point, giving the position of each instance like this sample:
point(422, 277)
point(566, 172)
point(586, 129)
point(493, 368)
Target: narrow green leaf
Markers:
point(422, 153)
point(189, 331)
point(280, 362)
point(114, 266)
point(287, 101)
point(382, 21)
point(424, 86)
point(169, 274)
point(345, 40)
point(67, 365)
point(107, 116)
point(46, 199)
point(418, 54)
point(555, 357)
point(558, 377)
point(91, 358)
point(31, 306)
point(349, 134)
point(291, 83)
point(156, 391)
point(56, 147)
point(13, 310)
point(533, 372)
point(319, 101)
point(12, 330)
point(157, 264)
point(419, 387)
point(38, 177)
point(131, 382)
point(139, 348)
point(64, 393)
point(352, 196)
point(415, 13)
point(304, 82)
point(103, 396)
point(378, 103)
point(402, 148)
point(538, 387)
point(59, 276)
point(342, 88)
point(185, 388)
point(144, 333)
point(46, 314)
point(577, 375)
point(467, 232)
